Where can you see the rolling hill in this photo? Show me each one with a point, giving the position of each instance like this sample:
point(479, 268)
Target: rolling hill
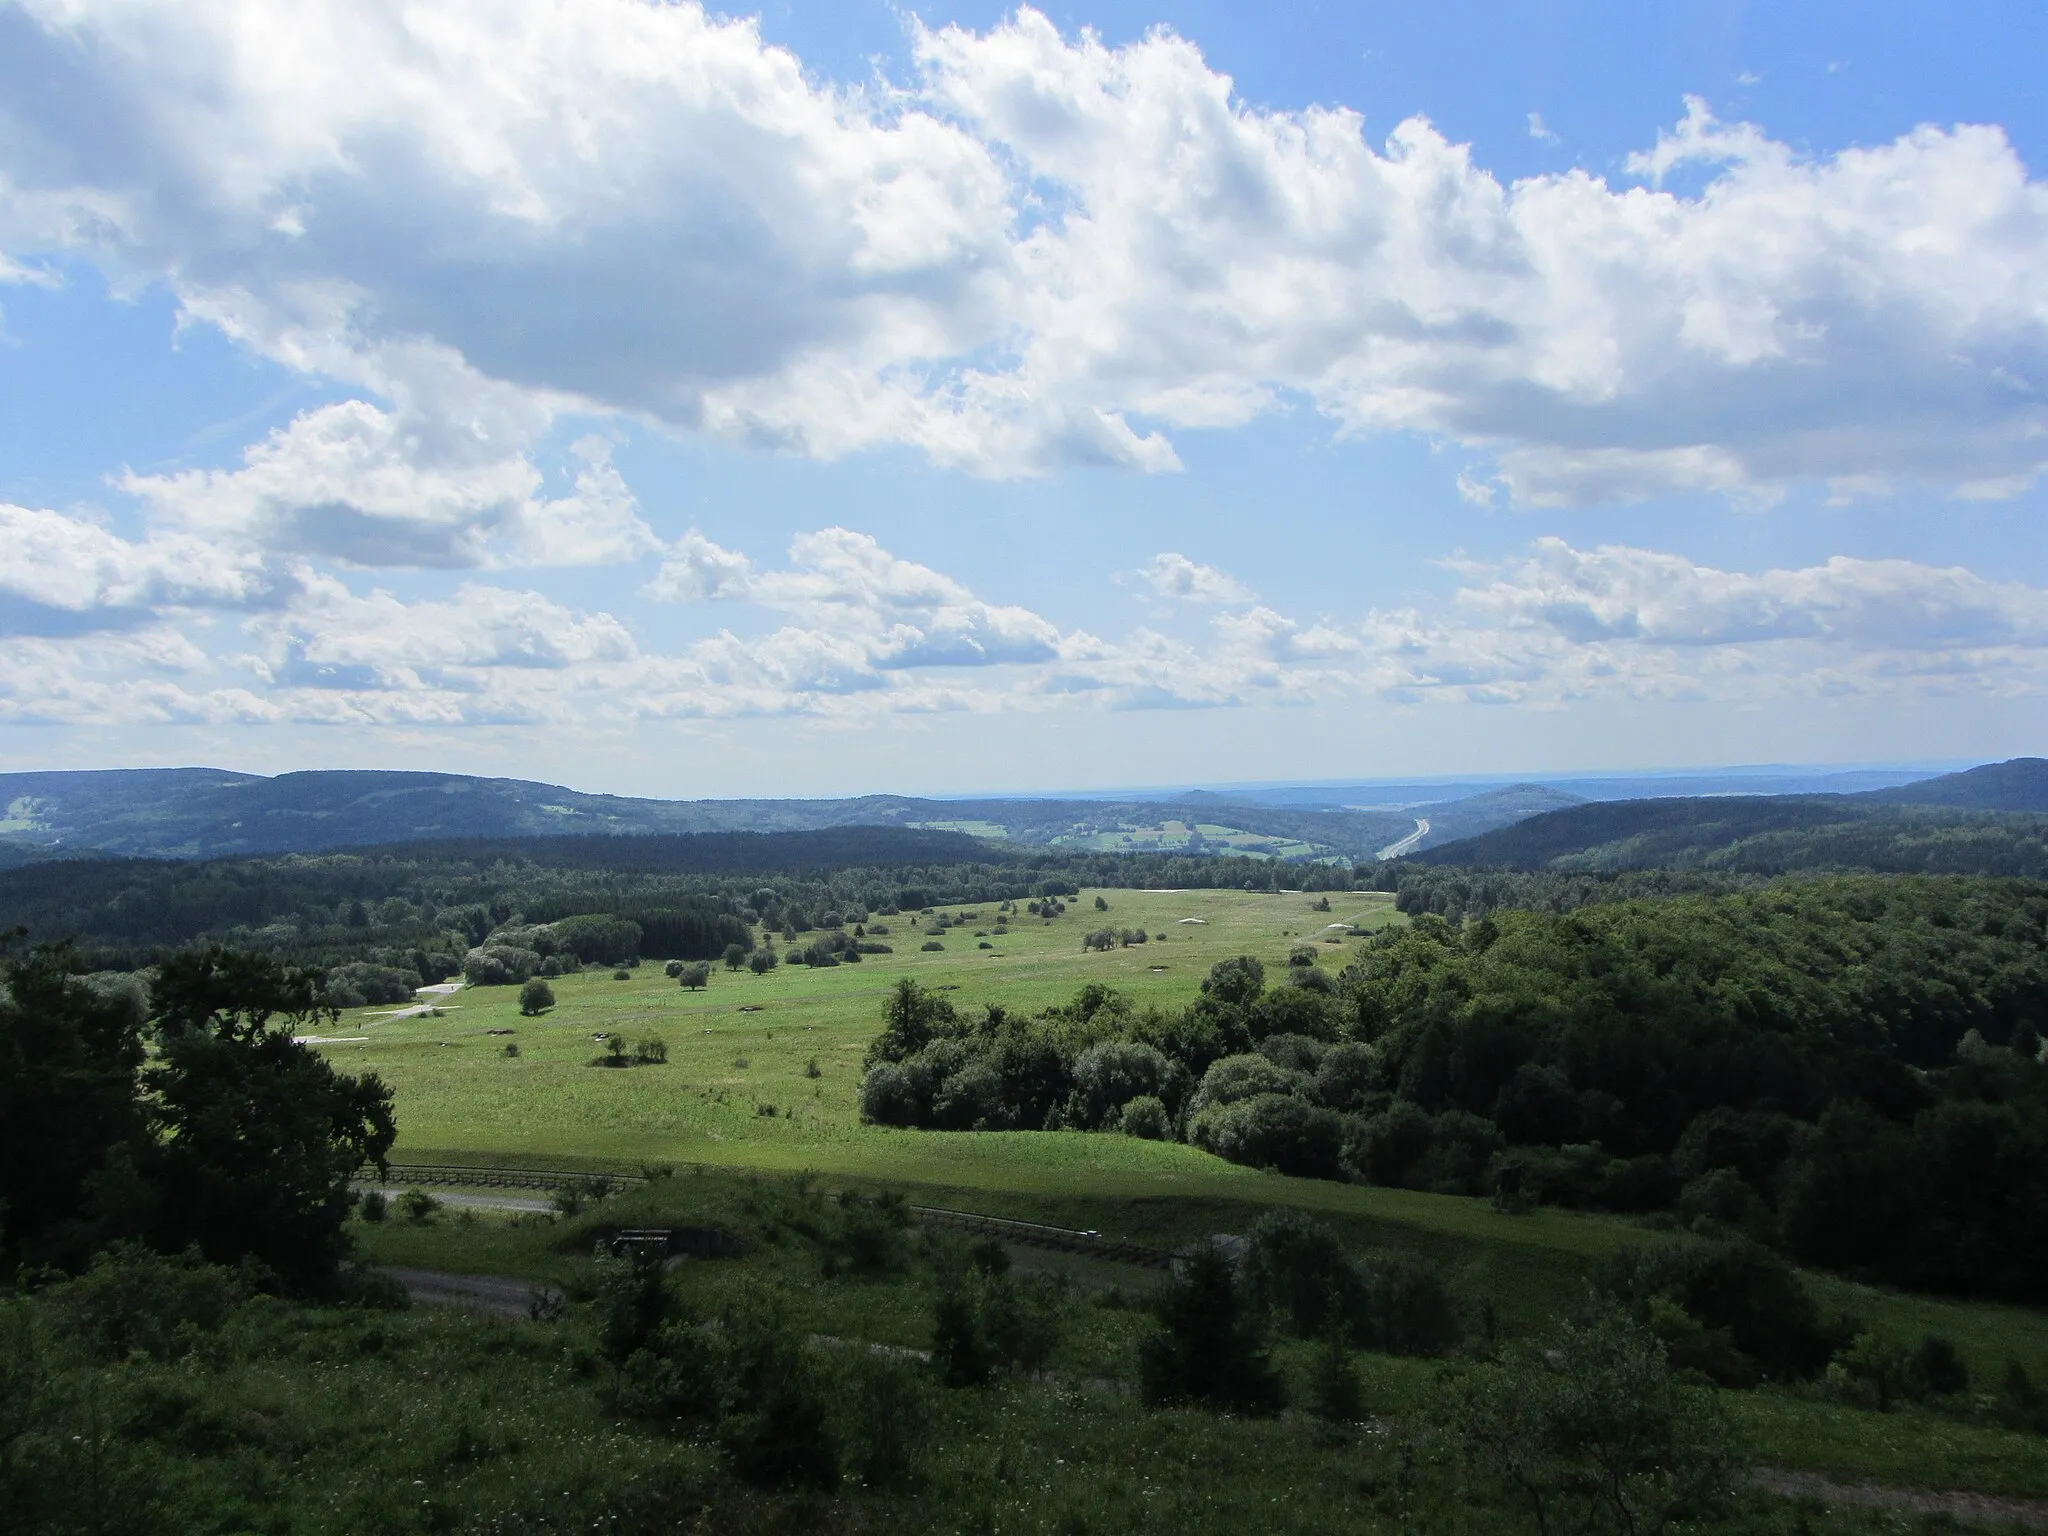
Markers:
point(1988, 820)
point(201, 813)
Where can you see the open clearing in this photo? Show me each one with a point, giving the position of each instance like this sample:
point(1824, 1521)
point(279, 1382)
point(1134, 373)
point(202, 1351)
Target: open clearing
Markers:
point(461, 1100)
point(746, 1043)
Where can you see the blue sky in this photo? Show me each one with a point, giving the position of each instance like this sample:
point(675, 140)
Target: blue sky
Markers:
point(856, 397)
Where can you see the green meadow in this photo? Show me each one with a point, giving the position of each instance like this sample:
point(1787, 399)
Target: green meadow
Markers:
point(747, 1045)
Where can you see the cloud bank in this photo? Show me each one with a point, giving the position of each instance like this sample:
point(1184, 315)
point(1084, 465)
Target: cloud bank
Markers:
point(844, 629)
point(1037, 251)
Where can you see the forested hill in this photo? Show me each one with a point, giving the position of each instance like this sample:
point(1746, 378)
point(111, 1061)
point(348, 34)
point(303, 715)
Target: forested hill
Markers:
point(195, 813)
point(1763, 836)
point(2018, 785)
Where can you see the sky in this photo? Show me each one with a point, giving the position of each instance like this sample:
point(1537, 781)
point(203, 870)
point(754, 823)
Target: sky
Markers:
point(848, 397)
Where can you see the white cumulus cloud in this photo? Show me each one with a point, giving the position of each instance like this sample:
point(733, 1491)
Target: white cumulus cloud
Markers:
point(66, 574)
point(1039, 251)
point(364, 486)
point(1176, 576)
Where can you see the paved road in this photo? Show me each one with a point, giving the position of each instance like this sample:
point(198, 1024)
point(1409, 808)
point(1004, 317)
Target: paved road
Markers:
point(475, 1202)
point(501, 1295)
point(1409, 843)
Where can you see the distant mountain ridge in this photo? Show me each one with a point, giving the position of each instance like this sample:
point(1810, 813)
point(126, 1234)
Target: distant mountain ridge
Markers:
point(2019, 784)
point(199, 813)
point(1983, 819)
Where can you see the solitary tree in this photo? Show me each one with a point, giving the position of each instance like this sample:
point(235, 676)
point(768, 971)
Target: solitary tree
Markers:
point(696, 975)
point(1209, 1347)
point(735, 956)
point(256, 1136)
point(536, 997)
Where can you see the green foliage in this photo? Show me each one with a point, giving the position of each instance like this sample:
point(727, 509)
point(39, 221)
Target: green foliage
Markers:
point(1295, 1267)
point(535, 998)
point(132, 1300)
point(1145, 1117)
point(634, 1300)
point(889, 1418)
point(255, 1136)
point(986, 1320)
point(1590, 1430)
point(68, 1059)
point(1746, 1316)
point(1334, 1394)
point(863, 1236)
point(417, 1206)
point(1209, 1347)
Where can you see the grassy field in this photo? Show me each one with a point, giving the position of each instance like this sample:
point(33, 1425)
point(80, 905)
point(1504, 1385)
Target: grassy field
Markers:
point(1794, 1429)
point(747, 1043)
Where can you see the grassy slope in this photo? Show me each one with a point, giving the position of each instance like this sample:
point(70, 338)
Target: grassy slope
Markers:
point(1787, 1429)
point(461, 1100)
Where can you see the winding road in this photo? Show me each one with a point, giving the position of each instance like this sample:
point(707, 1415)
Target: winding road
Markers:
point(1409, 843)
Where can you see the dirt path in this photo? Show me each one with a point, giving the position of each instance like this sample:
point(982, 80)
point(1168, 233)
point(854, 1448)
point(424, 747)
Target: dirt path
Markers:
point(1970, 1508)
point(501, 1295)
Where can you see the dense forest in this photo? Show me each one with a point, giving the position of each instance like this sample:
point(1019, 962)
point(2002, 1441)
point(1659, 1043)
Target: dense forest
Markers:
point(423, 908)
point(1847, 1068)
point(1762, 835)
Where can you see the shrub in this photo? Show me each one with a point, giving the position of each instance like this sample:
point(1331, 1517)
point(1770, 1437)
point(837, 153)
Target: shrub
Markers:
point(1295, 1266)
point(1753, 1317)
point(1589, 1429)
point(633, 1301)
point(696, 976)
point(971, 1099)
point(1390, 1146)
point(1145, 1117)
point(889, 1418)
point(535, 998)
point(1109, 1075)
point(356, 984)
point(774, 1427)
point(417, 1206)
point(1334, 1395)
point(762, 961)
point(132, 1300)
point(674, 968)
point(1273, 1130)
point(671, 1377)
point(1243, 1077)
point(1207, 1346)
point(497, 965)
point(1293, 1053)
point(865, 1237)
point(931, 944)
point(892, 1095)
point(1405, 1308)
point(622, 974)
point(985, 1320)
point(651, 1052)
point(1347, 1076)
point(373, 1205)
